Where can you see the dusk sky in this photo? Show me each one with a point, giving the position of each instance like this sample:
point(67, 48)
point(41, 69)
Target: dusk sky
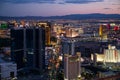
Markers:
point(57, 7)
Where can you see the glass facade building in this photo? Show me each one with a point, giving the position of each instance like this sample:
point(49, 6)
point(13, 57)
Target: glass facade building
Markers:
point(28, 47)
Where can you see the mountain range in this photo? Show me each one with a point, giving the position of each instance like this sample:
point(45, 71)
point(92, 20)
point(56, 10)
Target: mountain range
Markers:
point(71, 16)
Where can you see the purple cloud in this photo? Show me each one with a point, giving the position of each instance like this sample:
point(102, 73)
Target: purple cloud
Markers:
point(50, 1)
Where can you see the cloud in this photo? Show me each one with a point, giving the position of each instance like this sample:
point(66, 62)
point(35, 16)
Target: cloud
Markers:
point(107, 8)
point(115, 4)
point(27, 1)
point(82, 1)
point(51, 1)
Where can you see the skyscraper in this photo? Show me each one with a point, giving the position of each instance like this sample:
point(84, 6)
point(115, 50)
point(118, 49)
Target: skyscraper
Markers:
point(72, 67)
point(101, 30)
point(68, 46)
point(28, 47)
point(47, 27)
point(112, 54)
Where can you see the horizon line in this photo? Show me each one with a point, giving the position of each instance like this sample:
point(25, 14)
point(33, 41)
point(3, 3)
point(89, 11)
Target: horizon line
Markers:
point(62, 15)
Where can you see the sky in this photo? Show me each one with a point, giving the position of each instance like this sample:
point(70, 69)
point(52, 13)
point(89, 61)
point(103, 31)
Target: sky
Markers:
point(57, 7)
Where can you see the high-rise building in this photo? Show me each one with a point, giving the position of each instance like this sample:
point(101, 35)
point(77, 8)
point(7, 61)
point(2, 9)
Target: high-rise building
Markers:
point(112, 54)
point(101, 30)
point(47, 27)
point(68, 47)
point(28, 47)
point(72, 67)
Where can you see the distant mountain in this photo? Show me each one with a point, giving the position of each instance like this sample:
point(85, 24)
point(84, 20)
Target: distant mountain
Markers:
point(87, 16)
point(72, 16)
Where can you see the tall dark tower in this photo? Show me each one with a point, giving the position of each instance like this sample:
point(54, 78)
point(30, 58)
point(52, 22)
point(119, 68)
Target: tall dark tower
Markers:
point(17, 47)
point(28, 47)
point(47, 27)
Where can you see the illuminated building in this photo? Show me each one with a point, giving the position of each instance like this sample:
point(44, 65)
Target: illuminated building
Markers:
point(73, 32)
point(22, 23)
point(48, 53)
point(4, 26)
point(72, 67)
point(11, 25)
point(57, 28)
point(28, 47)
point(108, 26)
point(116, 28)
point(112, 54)
point(68, 32)
point(101, 30)
point(97, 57)
point(47, 27)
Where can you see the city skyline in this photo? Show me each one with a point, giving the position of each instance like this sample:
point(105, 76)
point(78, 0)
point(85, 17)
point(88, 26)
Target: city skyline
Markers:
point(57, 7)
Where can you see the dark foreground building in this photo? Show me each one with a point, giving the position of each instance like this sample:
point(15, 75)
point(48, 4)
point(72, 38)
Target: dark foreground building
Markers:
point(28, 47)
